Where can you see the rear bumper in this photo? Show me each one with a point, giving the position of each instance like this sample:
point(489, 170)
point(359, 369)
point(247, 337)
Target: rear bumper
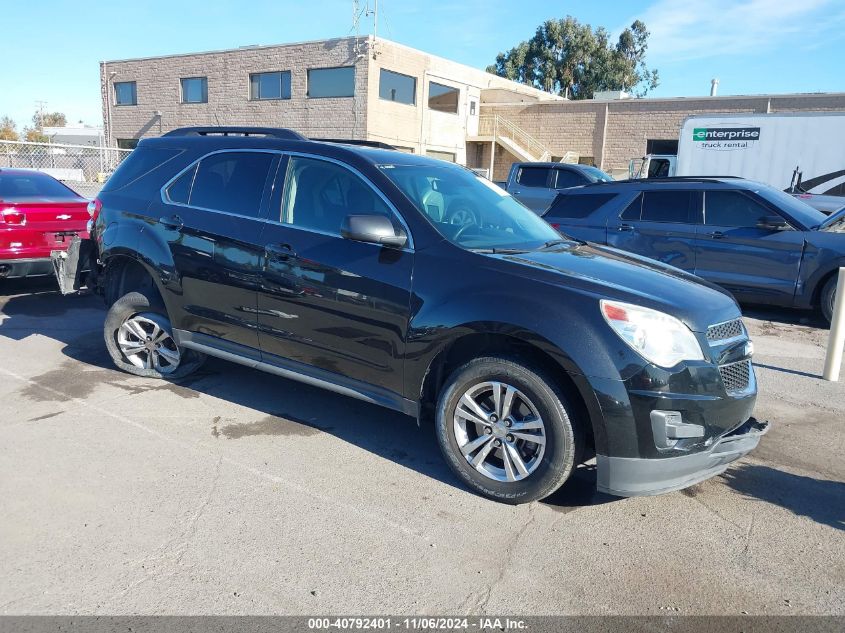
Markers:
point(29, 267)
point(632, 476)
point(70, 265)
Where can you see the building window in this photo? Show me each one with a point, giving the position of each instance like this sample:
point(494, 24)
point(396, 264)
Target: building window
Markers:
point(127, 143)
point(194, 90)
point(331, 82)
point(269, 85)
point(125, 93)
point(433, 153)
point(472, 108)
point(661, 146)
point(443, 98)
point(397, 87)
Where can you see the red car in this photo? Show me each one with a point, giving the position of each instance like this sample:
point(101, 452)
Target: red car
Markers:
point(38, 214)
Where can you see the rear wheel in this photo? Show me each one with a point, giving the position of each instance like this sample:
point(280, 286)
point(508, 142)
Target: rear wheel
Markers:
point(506, 430)
point(140, 339)
point(828, 297)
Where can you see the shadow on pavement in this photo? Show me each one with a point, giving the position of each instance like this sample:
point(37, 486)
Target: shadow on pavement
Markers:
point(794, 372)
point(788, 316)
point(821, 500)
point(285, 407)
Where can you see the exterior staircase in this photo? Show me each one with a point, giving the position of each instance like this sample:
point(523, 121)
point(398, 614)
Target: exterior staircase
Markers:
point(495, 128)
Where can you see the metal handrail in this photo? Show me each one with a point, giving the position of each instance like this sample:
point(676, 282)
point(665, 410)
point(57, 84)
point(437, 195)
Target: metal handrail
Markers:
point(495, 125)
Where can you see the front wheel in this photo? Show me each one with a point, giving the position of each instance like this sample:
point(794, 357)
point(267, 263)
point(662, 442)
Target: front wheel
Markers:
point(140, 339)
point(507, 430)
point(828, 297)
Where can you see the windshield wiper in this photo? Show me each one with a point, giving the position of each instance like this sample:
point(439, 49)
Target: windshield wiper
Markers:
point(552, 243)
point(499, 251)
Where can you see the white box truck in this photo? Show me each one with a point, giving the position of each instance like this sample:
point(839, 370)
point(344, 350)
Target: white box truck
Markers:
point(767, 148)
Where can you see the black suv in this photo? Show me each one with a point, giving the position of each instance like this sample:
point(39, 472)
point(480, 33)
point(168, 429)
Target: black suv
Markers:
point(337, 265)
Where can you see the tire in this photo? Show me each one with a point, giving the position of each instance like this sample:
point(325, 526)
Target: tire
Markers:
point(827, 298)
point(139, 321)
point(547, 464)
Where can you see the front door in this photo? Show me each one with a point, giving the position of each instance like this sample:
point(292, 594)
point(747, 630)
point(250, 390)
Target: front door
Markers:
point(212, 219)
point(660, 225)
point(327, 302)
point(754, 264)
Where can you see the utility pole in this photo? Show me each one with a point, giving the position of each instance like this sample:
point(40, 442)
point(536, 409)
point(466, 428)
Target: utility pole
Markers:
point(41, 105)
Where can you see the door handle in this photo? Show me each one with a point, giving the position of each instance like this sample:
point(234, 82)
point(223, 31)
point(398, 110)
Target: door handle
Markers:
point(624, 227)
point(174, 222)
point(716, 235)
point(279, 252)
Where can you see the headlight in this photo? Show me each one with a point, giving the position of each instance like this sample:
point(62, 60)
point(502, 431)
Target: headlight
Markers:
point(657, 337)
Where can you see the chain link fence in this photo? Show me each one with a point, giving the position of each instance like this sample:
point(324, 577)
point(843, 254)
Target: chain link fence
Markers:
point(83, 168)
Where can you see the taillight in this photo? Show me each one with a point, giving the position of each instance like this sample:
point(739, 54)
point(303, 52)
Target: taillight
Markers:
point(13, 216)
point(94, 209)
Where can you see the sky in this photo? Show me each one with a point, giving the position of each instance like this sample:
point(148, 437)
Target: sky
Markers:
point(51, 49)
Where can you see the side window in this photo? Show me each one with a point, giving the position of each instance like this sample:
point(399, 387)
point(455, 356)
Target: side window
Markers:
point(732, 208)
point(666, 206)
point(634, 209)
point(568, 178)
point(579, 206)
point(533, 176)
point(320, 194)
point(180, 191)
point(232, 182)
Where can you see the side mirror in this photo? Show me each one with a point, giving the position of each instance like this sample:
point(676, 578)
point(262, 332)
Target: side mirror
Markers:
point(772, 223)
point(373, 229)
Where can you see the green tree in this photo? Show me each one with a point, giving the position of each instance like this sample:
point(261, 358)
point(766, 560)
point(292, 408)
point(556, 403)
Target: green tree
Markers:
point(48, 119)
point(34, 135)
point(575, 60)
point(8, 129)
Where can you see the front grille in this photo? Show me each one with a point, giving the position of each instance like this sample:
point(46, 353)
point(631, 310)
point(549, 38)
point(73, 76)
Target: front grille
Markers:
point(726, 330)
point(736, 376)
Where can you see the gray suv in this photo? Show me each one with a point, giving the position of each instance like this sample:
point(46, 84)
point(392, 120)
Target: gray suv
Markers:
point(537, 184)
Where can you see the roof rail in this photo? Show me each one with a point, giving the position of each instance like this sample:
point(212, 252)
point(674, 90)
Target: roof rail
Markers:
point(349, 141)
point(275, 132)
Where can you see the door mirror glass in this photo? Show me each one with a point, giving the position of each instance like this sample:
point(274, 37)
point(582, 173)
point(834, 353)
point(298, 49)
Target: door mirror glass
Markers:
point(772, 223)
point(373, 229)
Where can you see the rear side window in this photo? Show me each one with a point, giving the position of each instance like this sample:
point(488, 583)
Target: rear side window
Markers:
point(139, 163)
point(232, 182)
point(568, 178)
point(731, 208)
point(20, 187)
point(578, 206)
point(180, 190)
point(533, 176)
point(660, 206)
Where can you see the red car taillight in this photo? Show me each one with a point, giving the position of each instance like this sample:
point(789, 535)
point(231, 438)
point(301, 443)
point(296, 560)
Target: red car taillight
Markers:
point(94, 209)
point(13, 216)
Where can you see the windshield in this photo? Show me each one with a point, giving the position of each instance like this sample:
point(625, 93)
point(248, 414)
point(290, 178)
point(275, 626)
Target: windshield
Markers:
point(469, 210)
point(793, 208)
point(596, 175)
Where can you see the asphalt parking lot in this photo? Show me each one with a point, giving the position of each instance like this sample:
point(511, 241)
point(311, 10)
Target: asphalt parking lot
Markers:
point(237, 492)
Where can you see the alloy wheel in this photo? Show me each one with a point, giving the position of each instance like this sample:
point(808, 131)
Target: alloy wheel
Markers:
point(146, 342)
point(499, 431)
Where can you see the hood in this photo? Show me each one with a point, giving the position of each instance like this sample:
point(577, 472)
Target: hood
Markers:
point(608, 273)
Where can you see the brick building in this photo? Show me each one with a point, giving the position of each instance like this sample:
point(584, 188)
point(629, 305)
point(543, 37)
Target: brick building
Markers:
point(374, 89)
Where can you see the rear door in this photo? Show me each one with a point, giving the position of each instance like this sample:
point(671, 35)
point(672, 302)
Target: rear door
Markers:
point(211, 216)
point(754, 264)
point(660, 224)
point(532, 187)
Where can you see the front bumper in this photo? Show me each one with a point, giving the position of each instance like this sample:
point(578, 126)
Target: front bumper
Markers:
point(30, 267)
point(635, 476)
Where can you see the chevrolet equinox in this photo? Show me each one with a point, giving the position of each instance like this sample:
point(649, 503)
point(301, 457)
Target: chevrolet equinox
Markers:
point(414, 284)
